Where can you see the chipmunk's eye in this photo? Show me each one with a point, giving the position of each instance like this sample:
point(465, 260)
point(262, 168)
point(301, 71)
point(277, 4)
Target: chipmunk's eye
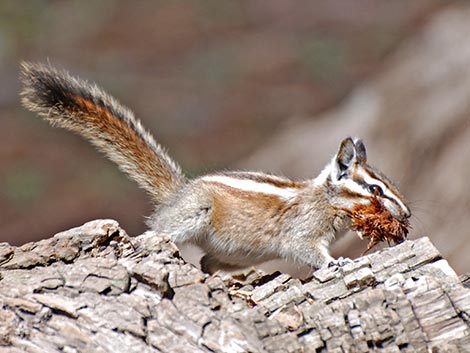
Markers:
point(376, 190)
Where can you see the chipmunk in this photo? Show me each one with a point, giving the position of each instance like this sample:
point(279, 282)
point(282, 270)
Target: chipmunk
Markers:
point(239, 218)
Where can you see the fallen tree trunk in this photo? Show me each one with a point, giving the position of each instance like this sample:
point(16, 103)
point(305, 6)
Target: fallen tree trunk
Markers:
point(95, 289)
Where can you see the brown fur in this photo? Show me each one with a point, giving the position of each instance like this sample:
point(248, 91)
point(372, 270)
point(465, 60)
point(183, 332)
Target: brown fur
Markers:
point(230, 204)
point(130, 146)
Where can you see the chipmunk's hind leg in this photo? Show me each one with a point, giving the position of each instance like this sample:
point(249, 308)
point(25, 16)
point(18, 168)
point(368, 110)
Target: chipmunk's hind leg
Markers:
point(211, 264)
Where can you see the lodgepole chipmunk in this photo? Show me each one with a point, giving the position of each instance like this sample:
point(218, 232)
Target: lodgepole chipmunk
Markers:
point(238, 218)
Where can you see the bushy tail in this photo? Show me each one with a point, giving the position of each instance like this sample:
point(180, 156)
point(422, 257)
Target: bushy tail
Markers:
point(85, 109)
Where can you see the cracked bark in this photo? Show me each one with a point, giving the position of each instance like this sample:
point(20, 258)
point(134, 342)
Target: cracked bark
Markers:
point(95, 289)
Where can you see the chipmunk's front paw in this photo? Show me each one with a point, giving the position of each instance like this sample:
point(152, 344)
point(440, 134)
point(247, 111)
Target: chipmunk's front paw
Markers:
point(340, 261)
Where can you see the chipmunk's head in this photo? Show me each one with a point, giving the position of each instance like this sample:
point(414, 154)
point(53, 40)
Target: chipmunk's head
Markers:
point(356, 183)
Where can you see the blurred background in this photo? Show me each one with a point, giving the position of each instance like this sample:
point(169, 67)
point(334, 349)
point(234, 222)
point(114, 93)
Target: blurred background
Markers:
point(265, 85)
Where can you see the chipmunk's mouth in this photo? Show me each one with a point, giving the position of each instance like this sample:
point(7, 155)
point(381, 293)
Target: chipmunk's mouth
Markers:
point(376, 222)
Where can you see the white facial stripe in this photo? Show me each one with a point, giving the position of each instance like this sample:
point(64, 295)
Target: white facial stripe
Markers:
point(252, 186)
point(387, 192)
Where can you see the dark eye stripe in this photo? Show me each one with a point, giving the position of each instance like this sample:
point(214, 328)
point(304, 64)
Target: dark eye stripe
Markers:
point(366, 186)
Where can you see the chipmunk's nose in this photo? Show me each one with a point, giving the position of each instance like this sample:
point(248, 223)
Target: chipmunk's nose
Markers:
point(402, 210)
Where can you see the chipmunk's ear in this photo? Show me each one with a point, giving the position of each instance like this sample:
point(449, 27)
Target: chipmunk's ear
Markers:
point(345, 157)
point(361, 154)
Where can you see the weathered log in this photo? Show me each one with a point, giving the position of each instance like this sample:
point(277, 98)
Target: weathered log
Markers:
point(95, 289)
